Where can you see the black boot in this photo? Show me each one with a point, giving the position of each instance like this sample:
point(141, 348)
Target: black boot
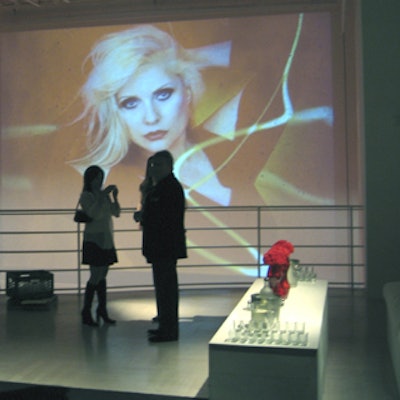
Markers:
point(101, 312)
point(87, 305)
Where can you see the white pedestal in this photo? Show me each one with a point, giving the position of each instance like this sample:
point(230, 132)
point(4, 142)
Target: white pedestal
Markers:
point(254, 371)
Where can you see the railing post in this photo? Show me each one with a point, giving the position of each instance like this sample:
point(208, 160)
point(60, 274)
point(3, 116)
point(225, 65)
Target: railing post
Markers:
point(259, 241)
point(351, 245)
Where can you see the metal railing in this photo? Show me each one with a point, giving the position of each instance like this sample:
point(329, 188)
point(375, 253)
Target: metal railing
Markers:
point(225, 245)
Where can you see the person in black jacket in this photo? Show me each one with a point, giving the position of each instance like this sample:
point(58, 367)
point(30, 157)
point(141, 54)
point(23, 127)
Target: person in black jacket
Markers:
point(164, 242)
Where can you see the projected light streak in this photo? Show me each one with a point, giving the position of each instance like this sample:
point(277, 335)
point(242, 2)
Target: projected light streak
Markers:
point(285, 87)
point(320, 113)
point(14, 132)
point(16, 182)
point(283, 119)
point(287, 103)
point(314, 114)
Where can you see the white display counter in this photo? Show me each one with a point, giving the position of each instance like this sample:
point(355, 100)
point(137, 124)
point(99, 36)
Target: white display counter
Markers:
point(279, 365)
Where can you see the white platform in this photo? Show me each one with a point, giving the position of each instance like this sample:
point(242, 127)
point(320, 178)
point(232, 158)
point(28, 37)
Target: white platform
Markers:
point(251, 370)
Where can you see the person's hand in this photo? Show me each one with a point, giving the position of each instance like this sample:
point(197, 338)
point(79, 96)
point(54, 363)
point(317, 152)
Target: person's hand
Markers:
point(111, 188)
point(137, 216)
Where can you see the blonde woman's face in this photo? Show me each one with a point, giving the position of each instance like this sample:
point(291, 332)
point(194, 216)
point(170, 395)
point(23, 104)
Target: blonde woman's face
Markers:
point(154, 104)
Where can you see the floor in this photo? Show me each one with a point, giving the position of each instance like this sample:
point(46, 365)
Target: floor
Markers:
point(44, 348)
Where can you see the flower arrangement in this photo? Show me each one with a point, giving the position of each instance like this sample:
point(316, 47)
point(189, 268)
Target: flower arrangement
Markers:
point(277, 258)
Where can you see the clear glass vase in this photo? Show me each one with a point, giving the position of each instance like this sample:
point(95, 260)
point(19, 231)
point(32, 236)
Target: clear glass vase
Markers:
point(293, 272)
point(267, 304)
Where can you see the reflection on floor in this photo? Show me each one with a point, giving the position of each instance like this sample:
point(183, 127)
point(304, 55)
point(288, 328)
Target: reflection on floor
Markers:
point(47, 347)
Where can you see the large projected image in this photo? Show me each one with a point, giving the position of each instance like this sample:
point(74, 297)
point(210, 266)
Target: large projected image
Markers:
point(245, 106)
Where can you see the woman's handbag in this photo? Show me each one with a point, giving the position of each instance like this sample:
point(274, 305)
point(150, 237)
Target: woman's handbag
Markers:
point(80, 215)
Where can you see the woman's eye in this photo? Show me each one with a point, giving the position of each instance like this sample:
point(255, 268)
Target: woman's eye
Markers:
point(129, 103)
point(164, 94)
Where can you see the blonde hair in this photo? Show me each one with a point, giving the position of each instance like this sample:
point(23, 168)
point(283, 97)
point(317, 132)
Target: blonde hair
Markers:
point(115, 59)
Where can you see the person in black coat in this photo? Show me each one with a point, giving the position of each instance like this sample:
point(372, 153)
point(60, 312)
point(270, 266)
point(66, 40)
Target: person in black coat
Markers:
point(164, 242)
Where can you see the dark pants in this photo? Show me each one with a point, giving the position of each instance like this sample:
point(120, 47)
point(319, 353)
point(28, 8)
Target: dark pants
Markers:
point(167, 296)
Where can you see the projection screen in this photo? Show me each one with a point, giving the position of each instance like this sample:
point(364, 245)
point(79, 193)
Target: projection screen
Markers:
point(248, 106)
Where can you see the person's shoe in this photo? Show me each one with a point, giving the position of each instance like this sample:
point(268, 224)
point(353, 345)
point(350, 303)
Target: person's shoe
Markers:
point(104, 315)
point(162, 338)
point(87, 319)
point(153, 331)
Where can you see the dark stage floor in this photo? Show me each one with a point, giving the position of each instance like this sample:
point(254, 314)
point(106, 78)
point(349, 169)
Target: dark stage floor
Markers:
point(47, 349)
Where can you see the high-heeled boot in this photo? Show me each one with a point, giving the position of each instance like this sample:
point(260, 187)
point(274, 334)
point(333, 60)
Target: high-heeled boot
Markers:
point(101, 312)
point(87, 305)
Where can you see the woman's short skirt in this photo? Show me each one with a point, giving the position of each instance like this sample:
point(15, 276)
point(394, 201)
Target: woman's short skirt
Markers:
point(94, 255)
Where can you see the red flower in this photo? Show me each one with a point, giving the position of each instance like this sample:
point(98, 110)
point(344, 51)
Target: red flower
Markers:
point(275, 256)
point(285, 246)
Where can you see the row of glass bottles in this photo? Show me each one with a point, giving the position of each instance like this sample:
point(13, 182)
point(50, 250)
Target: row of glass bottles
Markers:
point(300, 273)
point(287, 333)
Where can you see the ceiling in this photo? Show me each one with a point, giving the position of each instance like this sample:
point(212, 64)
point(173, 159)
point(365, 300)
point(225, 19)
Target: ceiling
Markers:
point(31, 14)
point(24, 4)
point(34, 3)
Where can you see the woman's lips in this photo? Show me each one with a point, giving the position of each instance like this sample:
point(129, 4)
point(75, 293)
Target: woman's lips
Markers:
point(156, 135)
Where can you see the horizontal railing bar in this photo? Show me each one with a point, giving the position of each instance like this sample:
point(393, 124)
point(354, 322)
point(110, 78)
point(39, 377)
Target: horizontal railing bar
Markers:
point(189, 248)
point(190, 229)
point(186, 284)
point(37, 232)
point(50, 211)
point(355, 285)
point(293, 228)
point(37, 251)
point(278, 208)
point(145, 267)
point(201, 285)
point(316, 246)
point(126, 210)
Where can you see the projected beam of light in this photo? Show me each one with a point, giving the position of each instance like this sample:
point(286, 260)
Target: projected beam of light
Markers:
point(286, 116)
point(323, 113)
point(28, 131)
point(314, 114)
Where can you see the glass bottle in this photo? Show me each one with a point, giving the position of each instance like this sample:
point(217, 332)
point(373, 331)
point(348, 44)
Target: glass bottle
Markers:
point(269, 301)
